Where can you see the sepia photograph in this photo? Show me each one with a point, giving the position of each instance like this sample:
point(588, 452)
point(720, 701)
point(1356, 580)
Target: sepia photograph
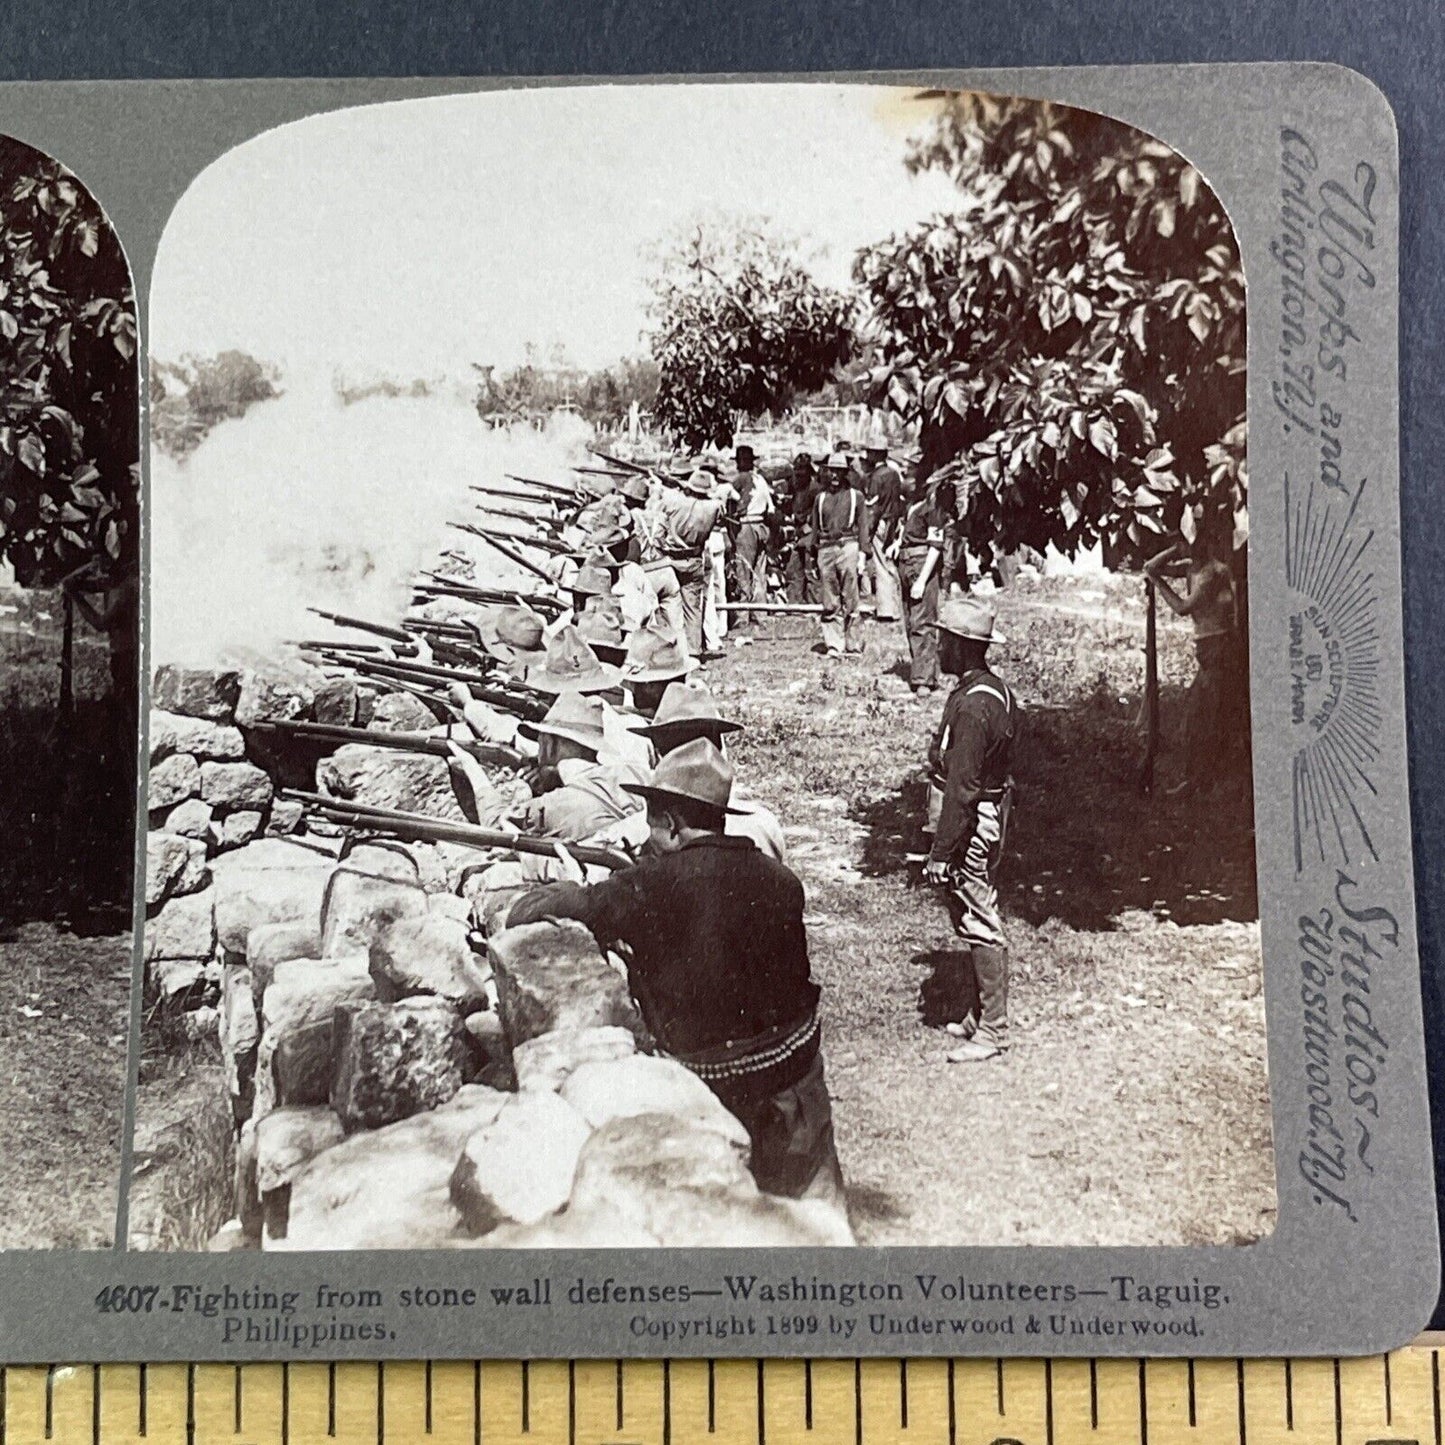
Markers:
point(698, 682)
point(69, 689)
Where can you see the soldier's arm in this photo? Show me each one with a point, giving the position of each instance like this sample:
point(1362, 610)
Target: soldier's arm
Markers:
point(605, 908)
point(963, 785)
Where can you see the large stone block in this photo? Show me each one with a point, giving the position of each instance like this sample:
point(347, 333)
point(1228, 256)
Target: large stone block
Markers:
point(389, 1188)
point(175, 865)
point(230, 787)
point(277, 692)
point(401, 712)
point(285, 817)
point(248, 1194)
point(238, 829)
point(689, 1189)
point(271, 880)
point(183, 928)
point(428, 953)
point(492, 891)
point(366, 895)
point(288, 1138)
point(335, 701)
point(381, 778)
point(294, 1063)
point(203, 692)
point(393, 1060)
point(172, 732)
point(172, 781)
point(276, 943)
point(191, 819)
point(552, 976)
point(547, 1061)
point(608, 1089)
point(519, 1168)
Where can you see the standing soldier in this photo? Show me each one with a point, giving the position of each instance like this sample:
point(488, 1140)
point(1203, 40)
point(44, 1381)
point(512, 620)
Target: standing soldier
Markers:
point(840, 524)
point(918, 547)
point(750, 548)
point(687, 513)
point(969, 765)
point(883, 488)
point(800, 566)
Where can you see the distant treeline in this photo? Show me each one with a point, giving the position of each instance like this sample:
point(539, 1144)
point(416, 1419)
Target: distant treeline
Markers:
point(190, 396)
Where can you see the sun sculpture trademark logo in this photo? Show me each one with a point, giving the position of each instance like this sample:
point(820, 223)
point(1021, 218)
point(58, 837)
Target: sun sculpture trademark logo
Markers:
point(1334, 666)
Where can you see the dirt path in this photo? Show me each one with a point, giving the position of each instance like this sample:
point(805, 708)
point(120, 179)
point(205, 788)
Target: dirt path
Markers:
point(64, 1011)
point(1133, 1107)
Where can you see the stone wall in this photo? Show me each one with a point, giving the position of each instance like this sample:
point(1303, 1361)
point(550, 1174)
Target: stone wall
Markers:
point(403, 1072)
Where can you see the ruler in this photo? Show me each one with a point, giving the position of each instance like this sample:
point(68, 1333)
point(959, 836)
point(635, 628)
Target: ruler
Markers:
point(1369, 1401)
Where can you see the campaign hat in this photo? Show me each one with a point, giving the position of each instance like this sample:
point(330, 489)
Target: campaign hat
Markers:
point(968, 617)
point(684, 704)
point(696, 772)
point(573, 716)
point(570, 663)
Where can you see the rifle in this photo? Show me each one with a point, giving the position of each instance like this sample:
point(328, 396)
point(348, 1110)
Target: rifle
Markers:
point(537, 518)
point(620, 462)
point(543, 544)
point(455, 587)
point(554, 489)
point(416, 827)
point(523, 702)
point(394, 634)
point(509, 553)
point(495, 754)
point(511, 494)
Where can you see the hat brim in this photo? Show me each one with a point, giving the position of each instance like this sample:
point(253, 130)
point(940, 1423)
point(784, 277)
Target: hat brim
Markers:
point(533, 732)
point(995, 636)
point(505, 652)
point(661, 674)
point(717, 724)
point(667, 795)
point(536, 676)
point(611, 653)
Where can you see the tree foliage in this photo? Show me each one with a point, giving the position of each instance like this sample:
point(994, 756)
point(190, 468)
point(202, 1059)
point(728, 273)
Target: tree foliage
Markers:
point(1070, 341)
point(69, 417)
point(189, 397)
point(741, 328)
point(603, 396)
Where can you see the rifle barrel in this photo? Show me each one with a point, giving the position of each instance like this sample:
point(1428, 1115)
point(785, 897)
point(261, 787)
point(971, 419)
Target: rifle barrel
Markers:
point(495, 753)
point(418, 826)
point(360, 624)
point(453, 586)
point(556, 489)
point(621, 462)
point(508, 552)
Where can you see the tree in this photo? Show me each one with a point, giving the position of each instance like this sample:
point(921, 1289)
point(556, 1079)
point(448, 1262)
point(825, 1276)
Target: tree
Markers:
point(740, 327)
point(69, 412)
point(1070, 341)
point(190, 397)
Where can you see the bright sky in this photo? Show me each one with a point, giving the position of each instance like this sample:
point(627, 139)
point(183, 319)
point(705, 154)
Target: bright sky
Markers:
point(412, 238)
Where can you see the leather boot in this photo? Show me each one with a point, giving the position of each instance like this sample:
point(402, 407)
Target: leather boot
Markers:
point(990, 966)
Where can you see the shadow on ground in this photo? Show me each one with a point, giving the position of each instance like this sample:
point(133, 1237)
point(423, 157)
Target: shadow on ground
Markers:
point(1085, 845)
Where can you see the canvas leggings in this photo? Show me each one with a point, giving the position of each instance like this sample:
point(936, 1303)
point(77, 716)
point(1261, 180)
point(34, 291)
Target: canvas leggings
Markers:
point(973, 904)
point(838, 578)
point(663, 580)
point(887, 604)
point(918, 617)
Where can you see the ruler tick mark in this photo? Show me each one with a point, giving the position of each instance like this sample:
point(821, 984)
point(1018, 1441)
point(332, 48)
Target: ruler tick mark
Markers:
point(1049, 1402)
point(476, 1402)
point(1389, 1403)
point(94, 1406)
point(526, 1399)
point(903, 1394)
point(49, 1402)
point(998, 1373)
point(1288, 1395)
point(1239, 1399)
point(952, 1408)
point(711, 1398)
point(762, 1414)
point(141, 1404)
point(666, 1404)
point(236, 1399)
point(286, 1403)
point(190, 1405)
point(1435, 1390)
point(1143, 1408)
point(571, 1402)
point(619, 1397)
point(426, 1378)
point(807, 1394)
point(1093, 1395)
point(1339, 1408)
point(1192, 1419)
point(331, 1400)
point(858, 1402)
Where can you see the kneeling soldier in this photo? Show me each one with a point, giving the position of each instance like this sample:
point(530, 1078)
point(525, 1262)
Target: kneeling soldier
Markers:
point(969, 764)
point(719, 967)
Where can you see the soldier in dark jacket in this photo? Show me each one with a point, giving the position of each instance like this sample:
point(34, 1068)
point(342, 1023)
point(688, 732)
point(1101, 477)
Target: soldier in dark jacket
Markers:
point(971, 783)
point(719, 967)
